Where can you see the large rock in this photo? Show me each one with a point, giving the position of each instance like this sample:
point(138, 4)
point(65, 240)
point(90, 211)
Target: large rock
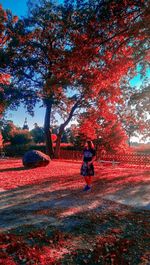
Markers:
point(35, 158)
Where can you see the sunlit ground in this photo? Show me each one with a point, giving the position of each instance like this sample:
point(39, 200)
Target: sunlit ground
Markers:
point(46, 218)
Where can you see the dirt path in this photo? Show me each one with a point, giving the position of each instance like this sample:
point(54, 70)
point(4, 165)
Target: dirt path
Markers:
point(53, 194)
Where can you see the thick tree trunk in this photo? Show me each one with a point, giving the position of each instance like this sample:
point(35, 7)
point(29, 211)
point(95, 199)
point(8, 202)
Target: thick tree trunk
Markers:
point(49, 144)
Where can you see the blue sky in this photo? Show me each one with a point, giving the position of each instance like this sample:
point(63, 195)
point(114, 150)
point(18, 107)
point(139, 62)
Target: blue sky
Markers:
point(19, 8)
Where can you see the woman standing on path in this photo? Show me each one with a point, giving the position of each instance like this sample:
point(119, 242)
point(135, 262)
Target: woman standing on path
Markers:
point(87, 168)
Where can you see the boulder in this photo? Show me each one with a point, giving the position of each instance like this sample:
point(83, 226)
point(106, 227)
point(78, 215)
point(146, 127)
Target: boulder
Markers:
point(35, 158)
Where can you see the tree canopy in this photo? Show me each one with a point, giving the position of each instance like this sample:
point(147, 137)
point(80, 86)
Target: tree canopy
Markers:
point(75, 55)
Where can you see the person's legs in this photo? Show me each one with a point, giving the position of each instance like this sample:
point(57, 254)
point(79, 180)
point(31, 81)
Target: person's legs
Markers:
point(89, 180)
point(86, 179)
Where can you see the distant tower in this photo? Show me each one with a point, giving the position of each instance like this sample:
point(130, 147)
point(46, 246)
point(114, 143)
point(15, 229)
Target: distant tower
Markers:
point(35, 125)
point(25, 126)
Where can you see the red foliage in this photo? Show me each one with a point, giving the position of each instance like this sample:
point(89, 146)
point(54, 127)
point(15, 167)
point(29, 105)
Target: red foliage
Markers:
point(111, 249)
point(16, 246)
point(101, 124)
point(54, 137)
point(58, 177)
point(4, 77)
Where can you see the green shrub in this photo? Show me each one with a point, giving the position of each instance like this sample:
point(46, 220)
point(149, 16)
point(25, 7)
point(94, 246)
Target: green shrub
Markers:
point(20, 137)
point(20, 149)
point(72, 148)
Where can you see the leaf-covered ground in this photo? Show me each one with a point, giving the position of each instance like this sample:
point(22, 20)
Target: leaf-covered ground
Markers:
point(46, 218)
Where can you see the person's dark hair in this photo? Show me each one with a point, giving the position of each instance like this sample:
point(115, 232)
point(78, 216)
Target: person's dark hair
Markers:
point(89, 144)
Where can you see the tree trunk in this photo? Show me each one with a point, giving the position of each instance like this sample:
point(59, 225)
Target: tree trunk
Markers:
point(49, 144)
point(62, 127)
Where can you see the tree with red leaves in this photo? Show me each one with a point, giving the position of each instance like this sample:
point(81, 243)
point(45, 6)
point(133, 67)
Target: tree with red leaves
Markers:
point(4, 77)
point(8, 94)
point(101, 124)
point(73, 53)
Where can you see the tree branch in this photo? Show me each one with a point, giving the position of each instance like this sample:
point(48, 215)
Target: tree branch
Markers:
point(63, 125)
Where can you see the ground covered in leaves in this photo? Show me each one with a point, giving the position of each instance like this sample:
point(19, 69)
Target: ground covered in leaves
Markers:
point(46, 218)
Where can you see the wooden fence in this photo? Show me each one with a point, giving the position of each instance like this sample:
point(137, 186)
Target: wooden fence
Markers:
point(71, 155)
point(134, 159)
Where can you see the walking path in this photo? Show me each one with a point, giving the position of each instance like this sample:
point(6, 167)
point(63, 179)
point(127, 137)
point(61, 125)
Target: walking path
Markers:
point(56, 194)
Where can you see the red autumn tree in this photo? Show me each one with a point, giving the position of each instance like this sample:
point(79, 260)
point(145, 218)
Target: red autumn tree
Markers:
point(83, 47)
point(101, 124)
point(107, 48)
point(4, 77)
point(7, 95)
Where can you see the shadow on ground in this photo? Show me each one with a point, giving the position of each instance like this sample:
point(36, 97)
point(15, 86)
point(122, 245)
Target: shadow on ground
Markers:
point(55, 198)
point(49, 218)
